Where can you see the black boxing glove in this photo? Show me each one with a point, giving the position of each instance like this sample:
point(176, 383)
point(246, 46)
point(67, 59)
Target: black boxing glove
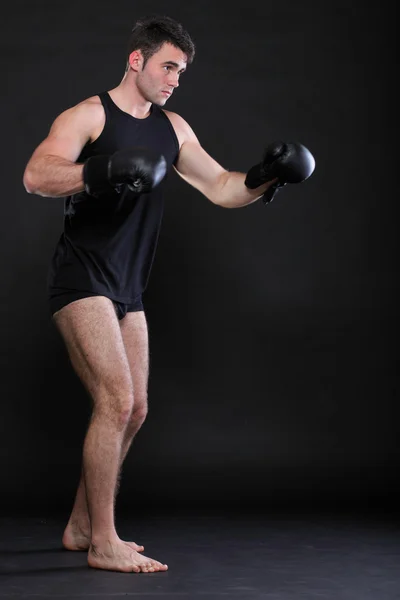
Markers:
point(290, 162)
point(141, 169)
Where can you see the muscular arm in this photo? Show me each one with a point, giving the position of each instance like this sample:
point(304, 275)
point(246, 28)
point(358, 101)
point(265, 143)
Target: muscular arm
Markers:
point(199, 169)
point(51, 170)
point(53, 176)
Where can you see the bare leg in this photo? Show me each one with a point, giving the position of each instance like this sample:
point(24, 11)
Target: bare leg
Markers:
point(135, 337)
point(95, 345)
point(77, 533)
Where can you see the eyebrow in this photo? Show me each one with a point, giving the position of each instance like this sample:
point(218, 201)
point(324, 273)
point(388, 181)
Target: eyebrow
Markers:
point(174, 64)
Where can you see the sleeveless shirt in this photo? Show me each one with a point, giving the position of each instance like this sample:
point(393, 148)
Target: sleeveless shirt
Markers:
point(108, 244)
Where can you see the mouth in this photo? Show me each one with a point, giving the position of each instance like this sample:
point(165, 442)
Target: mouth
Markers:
point(166, 93)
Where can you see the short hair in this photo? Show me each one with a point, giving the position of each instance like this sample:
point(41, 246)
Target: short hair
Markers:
point(151, 32)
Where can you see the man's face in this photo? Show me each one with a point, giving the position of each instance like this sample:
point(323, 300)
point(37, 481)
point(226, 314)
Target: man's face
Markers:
point(160, 76)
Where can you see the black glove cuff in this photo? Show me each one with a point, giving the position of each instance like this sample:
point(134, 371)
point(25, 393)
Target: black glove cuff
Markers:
point(95, 175)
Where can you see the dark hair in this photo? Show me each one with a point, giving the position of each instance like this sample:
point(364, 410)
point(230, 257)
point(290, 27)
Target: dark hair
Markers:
point(151, 32)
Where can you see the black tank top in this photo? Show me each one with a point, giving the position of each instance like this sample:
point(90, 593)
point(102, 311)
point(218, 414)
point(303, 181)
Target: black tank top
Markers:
point(108, 244)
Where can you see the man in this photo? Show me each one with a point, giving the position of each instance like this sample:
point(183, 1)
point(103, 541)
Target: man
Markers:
point(107, 156)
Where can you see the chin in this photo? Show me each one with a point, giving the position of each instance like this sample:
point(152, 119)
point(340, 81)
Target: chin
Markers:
point(160, 101)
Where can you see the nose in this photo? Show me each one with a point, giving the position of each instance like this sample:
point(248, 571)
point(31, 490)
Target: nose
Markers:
point(173, 81)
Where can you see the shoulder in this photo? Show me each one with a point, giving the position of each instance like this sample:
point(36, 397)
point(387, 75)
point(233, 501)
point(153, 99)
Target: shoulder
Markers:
point(89, 108)
point(183, 131)
point(87, 116)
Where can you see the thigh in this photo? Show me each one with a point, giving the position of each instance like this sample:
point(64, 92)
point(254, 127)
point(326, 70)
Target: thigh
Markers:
point(136, 341)
point(93, 338)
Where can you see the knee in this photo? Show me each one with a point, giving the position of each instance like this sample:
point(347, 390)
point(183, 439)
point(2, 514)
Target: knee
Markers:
point(118, 412)
point(139, 413)
point(114, 400)
point(123, 415)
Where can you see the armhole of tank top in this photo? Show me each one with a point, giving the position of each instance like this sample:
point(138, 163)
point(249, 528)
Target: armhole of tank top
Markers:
point(103, 100)
point(174, 136)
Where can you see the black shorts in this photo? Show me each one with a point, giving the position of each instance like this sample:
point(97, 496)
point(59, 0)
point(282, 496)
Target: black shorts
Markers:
point(60, 300)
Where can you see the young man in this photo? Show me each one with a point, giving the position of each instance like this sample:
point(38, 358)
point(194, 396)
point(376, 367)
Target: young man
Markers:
point(107, 156)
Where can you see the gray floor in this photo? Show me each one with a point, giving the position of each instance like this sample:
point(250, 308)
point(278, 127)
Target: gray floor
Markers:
point(275, 557)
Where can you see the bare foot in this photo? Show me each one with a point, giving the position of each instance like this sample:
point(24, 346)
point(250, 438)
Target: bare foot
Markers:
point(119, 556)
point(77, 537)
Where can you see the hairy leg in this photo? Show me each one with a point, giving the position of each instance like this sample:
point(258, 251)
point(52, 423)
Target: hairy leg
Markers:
point(135, 337)
point(96, 349)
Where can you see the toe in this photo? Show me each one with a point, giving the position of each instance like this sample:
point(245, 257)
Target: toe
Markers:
point(135, 546)
point(135, 569)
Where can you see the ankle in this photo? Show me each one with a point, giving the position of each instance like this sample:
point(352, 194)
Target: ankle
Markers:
point(80, 521)
point(104, 539)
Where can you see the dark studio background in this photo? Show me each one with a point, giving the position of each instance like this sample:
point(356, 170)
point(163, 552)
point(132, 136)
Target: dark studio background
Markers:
point(272, 328)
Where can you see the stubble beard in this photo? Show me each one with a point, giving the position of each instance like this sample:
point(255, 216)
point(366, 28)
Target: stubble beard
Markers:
point(148, 93)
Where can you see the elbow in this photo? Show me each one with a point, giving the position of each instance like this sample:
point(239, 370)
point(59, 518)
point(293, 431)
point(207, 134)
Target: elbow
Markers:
point(29, 182)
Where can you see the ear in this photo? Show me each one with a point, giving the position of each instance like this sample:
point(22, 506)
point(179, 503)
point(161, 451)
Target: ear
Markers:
point(136, 60)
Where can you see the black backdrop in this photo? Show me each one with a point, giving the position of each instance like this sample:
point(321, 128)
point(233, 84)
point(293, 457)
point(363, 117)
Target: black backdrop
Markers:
point(272, 328)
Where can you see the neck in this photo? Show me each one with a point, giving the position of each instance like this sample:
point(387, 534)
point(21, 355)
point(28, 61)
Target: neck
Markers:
point(128, 98)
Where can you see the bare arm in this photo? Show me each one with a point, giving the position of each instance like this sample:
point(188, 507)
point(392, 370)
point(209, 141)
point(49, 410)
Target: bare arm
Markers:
point(199, 169)
point(53, 176)
point(51, 170)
